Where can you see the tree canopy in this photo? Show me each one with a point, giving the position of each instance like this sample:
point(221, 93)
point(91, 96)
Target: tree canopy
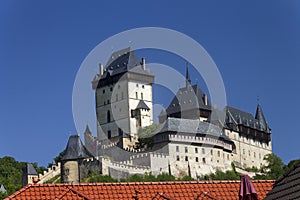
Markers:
point(11, 174)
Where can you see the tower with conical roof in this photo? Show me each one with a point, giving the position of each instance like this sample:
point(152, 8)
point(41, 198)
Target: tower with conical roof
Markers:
point(75, 153)
point(261, 119)
point(123, 97)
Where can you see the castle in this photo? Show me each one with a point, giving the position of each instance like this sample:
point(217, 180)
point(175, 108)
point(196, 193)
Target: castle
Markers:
point(191, 138)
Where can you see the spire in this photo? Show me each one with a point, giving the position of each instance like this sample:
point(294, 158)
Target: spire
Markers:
point(87, 129)
point(75, 149)
point(260, 117)
point(187, 76)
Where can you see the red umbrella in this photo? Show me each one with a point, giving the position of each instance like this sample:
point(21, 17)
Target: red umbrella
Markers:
point(247, 190)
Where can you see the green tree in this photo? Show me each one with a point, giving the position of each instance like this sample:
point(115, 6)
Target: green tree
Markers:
point(11, 174)
point(145, 136)
point(273, 169)
point(291, 165)
point(165, 177)
point(186, 178)
point(135, 178)
point(149, 177)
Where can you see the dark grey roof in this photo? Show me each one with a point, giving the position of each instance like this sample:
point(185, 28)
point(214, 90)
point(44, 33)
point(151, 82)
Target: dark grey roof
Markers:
point(187, 77)
point(188, 98)
point(190, 126)
point(123, 61)
point(75, 149)
point(287, 187)
point(236, 116)
point(142, 105)
point(260, 117)
point(30, 170)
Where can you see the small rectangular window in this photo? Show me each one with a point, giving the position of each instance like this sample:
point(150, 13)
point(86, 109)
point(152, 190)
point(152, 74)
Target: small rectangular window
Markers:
point(109, 134)
point(196, 150)
point(177, 148)
point(177, 158)
point(136, 95)
point(186, 158)
point(203, 160)
point(218, 153)
point(197, 159)
point(103, 91)
point(186, 150)
point(203, 151)
point(142, 96)
point(211, 152)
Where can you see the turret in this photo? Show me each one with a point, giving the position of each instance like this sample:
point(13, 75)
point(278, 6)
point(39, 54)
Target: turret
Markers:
point(261, 118)
point(71, 161)
point(29, 175)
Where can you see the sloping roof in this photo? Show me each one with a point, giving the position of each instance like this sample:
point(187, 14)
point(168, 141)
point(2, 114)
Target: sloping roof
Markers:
point(190, 126)
point(287, 187)
point(188, 98)
point(140, 190)
point(30, 170)
point(142, 105)
point(122, 61)
point(234, 115)
point(260, 117)
point(75, 149)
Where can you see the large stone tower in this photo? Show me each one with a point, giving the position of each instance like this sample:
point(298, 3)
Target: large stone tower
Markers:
point(123, 97)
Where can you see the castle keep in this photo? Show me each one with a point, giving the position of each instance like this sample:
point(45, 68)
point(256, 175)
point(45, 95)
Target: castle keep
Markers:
point(193, 137)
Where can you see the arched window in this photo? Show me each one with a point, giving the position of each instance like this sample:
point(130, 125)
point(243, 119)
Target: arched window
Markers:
point(108, 116)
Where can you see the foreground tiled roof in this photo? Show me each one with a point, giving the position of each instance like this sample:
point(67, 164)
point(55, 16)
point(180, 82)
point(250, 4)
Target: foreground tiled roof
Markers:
point(140, 190)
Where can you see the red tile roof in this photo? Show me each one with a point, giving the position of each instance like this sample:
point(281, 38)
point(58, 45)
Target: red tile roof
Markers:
point(140, 190)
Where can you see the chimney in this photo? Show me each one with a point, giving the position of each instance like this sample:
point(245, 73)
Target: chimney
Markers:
point(101, 69)
point(144, 63)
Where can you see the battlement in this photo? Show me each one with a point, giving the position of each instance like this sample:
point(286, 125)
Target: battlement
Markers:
point(51, 172)
point(148, 154)
point(126, 165)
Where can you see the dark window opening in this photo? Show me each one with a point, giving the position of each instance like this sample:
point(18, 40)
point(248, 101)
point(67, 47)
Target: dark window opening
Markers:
point(120, 132)
point(108, 116)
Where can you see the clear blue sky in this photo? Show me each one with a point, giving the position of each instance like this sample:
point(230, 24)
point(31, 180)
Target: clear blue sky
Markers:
point(256, 46)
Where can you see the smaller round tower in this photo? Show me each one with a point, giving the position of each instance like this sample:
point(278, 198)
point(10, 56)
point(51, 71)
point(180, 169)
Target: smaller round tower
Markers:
point(70, 162)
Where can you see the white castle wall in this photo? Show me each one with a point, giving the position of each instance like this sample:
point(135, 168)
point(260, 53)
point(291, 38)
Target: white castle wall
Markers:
point(50, 173)
point(249, 152)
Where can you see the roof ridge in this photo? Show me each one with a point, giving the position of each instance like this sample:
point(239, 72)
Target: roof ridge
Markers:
point(19, 191)
point(205, 194)
point(79, 193)
point(63, 193)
